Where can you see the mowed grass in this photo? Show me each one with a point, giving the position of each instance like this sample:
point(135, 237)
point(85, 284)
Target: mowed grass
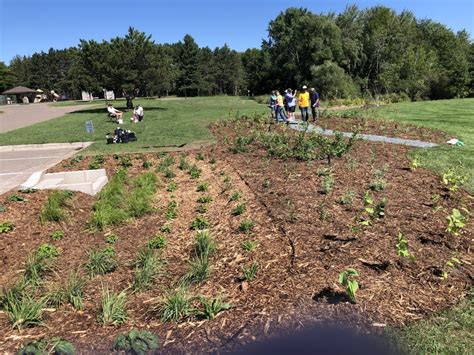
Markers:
point(167, 122)
point(453, 116)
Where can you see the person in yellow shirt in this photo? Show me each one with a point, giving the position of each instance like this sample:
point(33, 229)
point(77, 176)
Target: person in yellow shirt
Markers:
point(280, 113)
point(303, 103)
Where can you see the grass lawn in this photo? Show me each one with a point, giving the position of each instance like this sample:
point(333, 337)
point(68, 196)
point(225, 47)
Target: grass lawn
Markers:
point(74, 103)
point(453, 116)
point(167, 122)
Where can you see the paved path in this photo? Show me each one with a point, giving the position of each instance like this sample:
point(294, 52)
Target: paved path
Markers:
point(17, 163)
point(368, 137)
point(18, 116)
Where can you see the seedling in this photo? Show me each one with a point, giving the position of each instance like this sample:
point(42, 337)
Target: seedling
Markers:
point(205, 245)
point(165, 163)
point(202, 187)
point(16, 198)
point(211, 307)
point(323, 171)
point(22, 309)
point(146, 164)
point(452, 264)
point(249, 273)
point(6, 226)
point(54, 346)
point(57, 235)
point(327, 184)
point(47, 251)
point(199, 223)
point(101, 261)
point(28, 190)
point(194, 172)
point(347, 198)
point(175, 307)
point(434, 202)
point(402, 247)
point(204, 199)
point(96, 162)
point(351, 163)
point(199, 156)
point(456, 221)
point(52, 211)
point(368, 199)
point(346, 279)
point(266, 183)
point(112, 239)
point(147, 266)
point(165, 228)
point(136, 342)
point(199, 271)
point(246, 226)
point(157, 242)
point(171, 212)
point(201, 208)
point(455, 177)
point(415, 162)
point(235, 196)
point(183, 164)
point(172, 186)
point(249, 245)
point(112, 310)
point(169, 174)
point(239, 209)
point(323, 212)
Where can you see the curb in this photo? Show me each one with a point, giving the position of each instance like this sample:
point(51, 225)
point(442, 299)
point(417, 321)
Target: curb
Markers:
point(21, 147)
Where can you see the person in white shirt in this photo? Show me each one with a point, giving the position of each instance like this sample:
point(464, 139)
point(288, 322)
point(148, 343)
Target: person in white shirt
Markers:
point(114, 112)
point(138, 112)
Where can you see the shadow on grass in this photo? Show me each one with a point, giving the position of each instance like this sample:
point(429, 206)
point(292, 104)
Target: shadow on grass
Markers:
point(104, 110)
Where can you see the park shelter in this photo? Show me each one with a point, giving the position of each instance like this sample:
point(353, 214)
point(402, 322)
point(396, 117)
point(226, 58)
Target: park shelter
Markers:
point(19, 90)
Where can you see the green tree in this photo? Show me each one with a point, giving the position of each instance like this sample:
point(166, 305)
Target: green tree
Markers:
point(332, 82)
point(7, 78)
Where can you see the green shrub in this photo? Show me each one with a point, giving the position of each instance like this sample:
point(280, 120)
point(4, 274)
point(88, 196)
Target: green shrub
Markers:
point(205, 245)
point(246, 226)
point(204, 199)
point(6, 226)
point(165, 163)
point(327, 184)
point(165, 228)
point(23, 310)
point(172, 186)
point(347, 198)
point(101, 262)
point(169, 174)
point(147, 266)
point(112, 239)
point(239, 209)
point(136, 342)
point(183, 164)
point(235, 196)
point(52, 210)
point(202, 187)
point(16, 198)
point(249, 273)
point(249, 245)
point(201, 208)
point(199, 271)
point(199, 223)
point(112, 311)
point(194, 172)
point(54, 346)
point(175, 307)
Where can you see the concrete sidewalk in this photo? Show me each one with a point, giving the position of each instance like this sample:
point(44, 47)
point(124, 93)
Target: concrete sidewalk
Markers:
point(17, 163)
point(19, 116)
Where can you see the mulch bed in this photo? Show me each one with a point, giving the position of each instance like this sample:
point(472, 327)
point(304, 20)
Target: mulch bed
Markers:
point(300, 255)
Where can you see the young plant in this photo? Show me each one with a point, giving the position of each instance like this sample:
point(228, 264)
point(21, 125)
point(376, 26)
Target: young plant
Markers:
point(55, 346)
point(112, 239)
point(415, 162)
point(166, 228)
point(332, 148)
point(101, 262)
point(147, 266)
point(112, 310)
point(239, 209)
point(47, 251)
point(171, 212)
point(199, 156)
point(183, 164)
point(204, 199)
point(246, 226)
point(249, 245)
point(175, 307)
point(52, 210)
point(6, 226)
point(402, 247)
point(165, 163)
point(169, 174)
point(323, 172)
point(347, 198)
point(205, 245)
point(172, 186)
point(16, 198)
point(199, 271)
point(199, 223)
point(146, 164)
point(249, 273)
point(235, 196)
point(136, 342)
point(57, 235)
point(379, 183)
point(346, 279)
point(194, 172)
point(22, 309)
point(202, 187)
point(323, 212)
point(451, 264)
point(327, 184)
point(96, 162)
point(456, 221)
point(202, 208)
point(157, 242)
point(454, 178)
point(211, 307)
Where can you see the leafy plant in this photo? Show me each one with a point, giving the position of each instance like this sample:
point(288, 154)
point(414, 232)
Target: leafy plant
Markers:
point(368, 199)
point(172, 186)
point(199, 223)
point(147, 164)
point(451, 264)
point(204, 199)
point(165, 163)
point(235, 196)
point(379, 183)
point(112, 310)
point(415, 162)
point(183, 164)
point(327, 184)
point(112, 239)
point(35, 268)
point(211, 307)
point(246, 226)
point(205, 245)
point(16, 198)
point(101, 262)
point(239, 209)
point(249, 245)
point(157, 242)
point(241, 144)
point(166, 228)
point(171, 212)
point(324, 171)
point(52, 211)
point(194, 172)
point(169, 174)
point(347, 198)
point(249, 273)
point(137, 342)
point(175, 307)
point(202, 208)
point(346, 279)
point(455, 177)
point(54, 346)
point(199, 156)
point(456, 221)
point(23, 310)
point(47, 251)
point(402, 247)
point(6, 226)
point(57, 235)
point(96, 162)
point(332, 148)
point(202, 187)
point(71, 292)
point(199, 271)
point(323, 212)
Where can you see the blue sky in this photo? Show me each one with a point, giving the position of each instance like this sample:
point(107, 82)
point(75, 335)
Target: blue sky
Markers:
point(28, 26)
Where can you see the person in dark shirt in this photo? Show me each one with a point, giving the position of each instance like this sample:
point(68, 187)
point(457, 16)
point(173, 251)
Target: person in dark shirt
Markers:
point(314, 97)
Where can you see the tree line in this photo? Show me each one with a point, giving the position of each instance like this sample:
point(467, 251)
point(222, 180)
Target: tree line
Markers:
point(357, 53)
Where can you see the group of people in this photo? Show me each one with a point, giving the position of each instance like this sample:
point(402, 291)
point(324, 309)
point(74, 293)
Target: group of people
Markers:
point(137, 115)
point(283, 107)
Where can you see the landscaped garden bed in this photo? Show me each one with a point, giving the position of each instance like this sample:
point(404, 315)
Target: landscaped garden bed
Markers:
point(249, 236)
